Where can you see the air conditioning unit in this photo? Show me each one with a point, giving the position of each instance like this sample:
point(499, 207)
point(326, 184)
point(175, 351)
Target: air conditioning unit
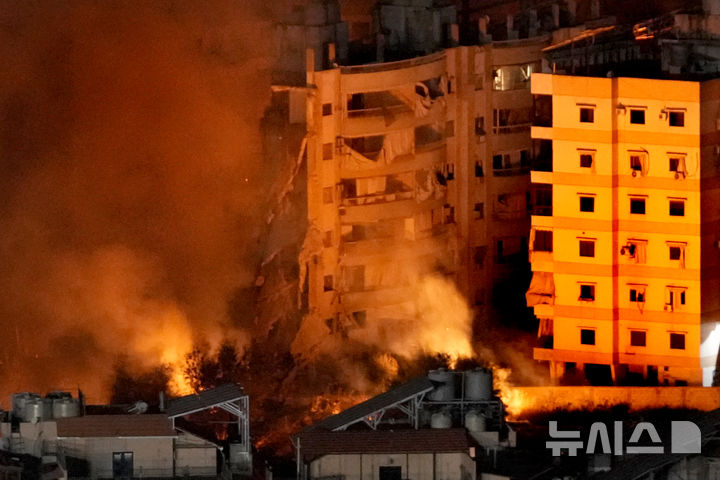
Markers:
point(668, 307)
point(628, 249)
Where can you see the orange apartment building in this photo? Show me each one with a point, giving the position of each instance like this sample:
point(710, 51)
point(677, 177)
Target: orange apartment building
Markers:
point(624, 240)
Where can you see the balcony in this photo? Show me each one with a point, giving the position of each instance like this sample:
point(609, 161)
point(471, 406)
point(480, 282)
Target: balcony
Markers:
point(508, 129)
point(542, 210)
point(542, 196)
point(542, 156)
point(542, 111)
point(508, 121)
point(378, 198)
point(511, 164)
point(511, 172)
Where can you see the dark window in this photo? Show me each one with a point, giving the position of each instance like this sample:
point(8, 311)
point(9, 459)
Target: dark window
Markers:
point(637, 295)
point(122, 465)
point(497, 162)
point(677, 208)
point(587, 204)
point(449, 214)
point(587, 337)
point(479, 170)
point(586, 160)
point(677, 119)
point(524, 158)
point(328, 151)
point(587, 292)
point(327, 283)
point(327, 109)
point(674, 164)
point(390, 473)
point(480, 126)
point(677, 341)
point(360, 317)
point(637, 116)
point(636, 163)
point(479, 211)
point(328, 195)
point(675, 253)
point(587, 115)
point(587, 248)
point(637, 205)
point(637, 338)
point(543, 241)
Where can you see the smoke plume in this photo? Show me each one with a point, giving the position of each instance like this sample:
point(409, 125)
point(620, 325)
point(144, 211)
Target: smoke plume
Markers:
point(130, 181)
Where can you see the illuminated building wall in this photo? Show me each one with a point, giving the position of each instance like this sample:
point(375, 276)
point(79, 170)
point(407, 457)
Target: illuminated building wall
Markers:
point(624, 233)
point(416, 166)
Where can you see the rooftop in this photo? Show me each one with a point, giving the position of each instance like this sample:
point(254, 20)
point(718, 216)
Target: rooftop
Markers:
point(317, 443)
point(116, 426)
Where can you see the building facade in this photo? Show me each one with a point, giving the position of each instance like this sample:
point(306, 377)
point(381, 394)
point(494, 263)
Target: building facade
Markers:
point(624, 234)
point(415, 166)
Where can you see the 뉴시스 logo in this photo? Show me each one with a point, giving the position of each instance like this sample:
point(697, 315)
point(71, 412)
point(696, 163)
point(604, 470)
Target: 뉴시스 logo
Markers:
point(684, 438)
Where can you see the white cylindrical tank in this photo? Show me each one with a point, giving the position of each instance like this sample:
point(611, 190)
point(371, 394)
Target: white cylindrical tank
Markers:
point(37, 410)
point(478, 384)
point(440, 420)
point(20, 401)
point(474, 421)
point(65, 407)
point(445, 389)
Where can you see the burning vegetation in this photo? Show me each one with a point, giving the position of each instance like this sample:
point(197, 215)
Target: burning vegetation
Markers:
point(135, 238)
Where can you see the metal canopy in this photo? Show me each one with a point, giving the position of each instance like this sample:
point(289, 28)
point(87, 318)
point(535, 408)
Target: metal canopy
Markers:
point(406, 398)
point(229, 397)
point(225, 397)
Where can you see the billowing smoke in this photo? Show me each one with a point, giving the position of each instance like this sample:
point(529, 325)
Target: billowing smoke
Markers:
point(130, 182)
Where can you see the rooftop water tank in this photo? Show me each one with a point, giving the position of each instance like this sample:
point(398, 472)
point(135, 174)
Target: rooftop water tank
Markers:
point(474, 421)
point(65, 407)
point(440, 420)
point(37, 410)
point(445, 385)
point(20, 400)
point(478, 384)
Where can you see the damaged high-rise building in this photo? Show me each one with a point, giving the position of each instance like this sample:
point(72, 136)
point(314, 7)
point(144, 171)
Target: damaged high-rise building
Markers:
point(415, 155)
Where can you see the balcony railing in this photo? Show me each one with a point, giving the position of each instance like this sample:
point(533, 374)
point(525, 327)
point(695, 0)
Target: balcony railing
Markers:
point(512, 171)
point(379, 111)
point(542, 210)
point(508, 129)
point(378, 198)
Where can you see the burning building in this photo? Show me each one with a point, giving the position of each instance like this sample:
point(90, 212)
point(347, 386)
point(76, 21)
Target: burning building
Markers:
point(417, 156)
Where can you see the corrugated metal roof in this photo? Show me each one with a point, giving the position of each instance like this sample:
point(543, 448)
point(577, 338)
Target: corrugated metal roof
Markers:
point(116, 426)
point(316, 443)
point(205, 399)
point(362, 410)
